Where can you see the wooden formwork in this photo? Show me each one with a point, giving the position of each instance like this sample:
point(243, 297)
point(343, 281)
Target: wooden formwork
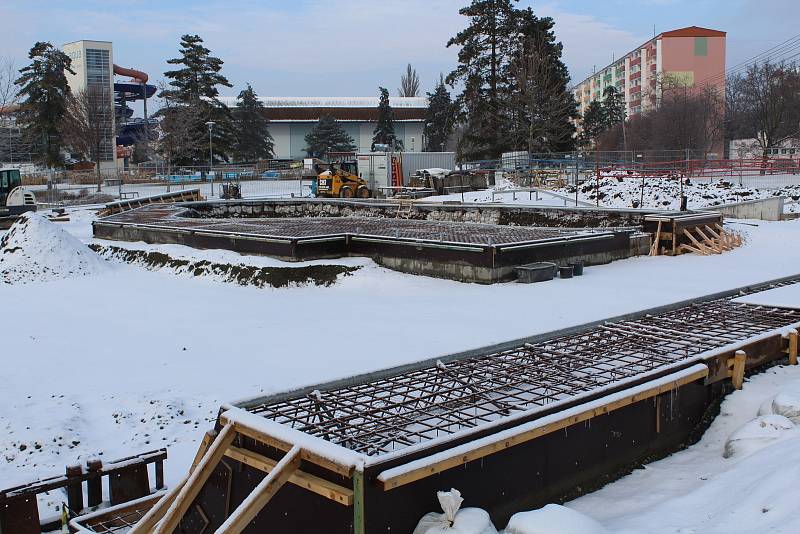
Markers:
point(678, 233)
point(325, 466)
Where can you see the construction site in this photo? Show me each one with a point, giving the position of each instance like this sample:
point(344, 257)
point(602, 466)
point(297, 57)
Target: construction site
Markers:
point(511, 304)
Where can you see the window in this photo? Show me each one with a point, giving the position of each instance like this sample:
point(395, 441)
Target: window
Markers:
point(701, 46)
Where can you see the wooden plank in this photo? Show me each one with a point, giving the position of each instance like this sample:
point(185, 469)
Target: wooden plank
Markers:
point(154, 514)
point(208, 437)
point(656, 241)
point(321, 461)
point(262, 494)
point(697, 243)
point(692, 249)
point(708, 241)
point(793, 347)
point(737, 377)
point(312, 483)
point(358, 503)
point(196, 480)
point(498, 446)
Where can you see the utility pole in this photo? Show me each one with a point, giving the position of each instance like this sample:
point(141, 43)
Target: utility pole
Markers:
point(210, 125)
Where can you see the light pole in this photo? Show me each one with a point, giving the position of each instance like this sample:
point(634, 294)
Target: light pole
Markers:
point(210, 125)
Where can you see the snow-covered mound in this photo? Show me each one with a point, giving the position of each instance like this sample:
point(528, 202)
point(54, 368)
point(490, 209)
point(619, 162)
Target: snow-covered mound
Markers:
point(36, 249)
point(757, 434)
point(553, 519)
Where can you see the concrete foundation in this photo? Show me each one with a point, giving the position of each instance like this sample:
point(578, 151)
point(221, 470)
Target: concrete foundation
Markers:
point(455, 249)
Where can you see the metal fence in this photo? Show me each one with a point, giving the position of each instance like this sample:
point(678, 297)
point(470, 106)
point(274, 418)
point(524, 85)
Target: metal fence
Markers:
point(58, 188)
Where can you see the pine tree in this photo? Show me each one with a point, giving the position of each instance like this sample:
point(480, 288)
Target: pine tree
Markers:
point(199, 76)
point(44, 90)
point(253, 140)
point(409, 82)
point(195, 85)
point(439, 118)
point(543, 109)
point(327, 136)
point(384, 130)
point(484, 54)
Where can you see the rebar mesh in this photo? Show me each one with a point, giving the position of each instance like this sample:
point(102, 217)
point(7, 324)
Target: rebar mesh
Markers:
point(392, 413)
point(166, 216)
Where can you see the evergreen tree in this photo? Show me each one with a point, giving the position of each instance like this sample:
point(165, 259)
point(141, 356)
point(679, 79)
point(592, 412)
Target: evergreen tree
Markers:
point(199, 75)
point(327, 136)
point(253, 140)
point(594, 122)
point(384, 130)
point(613, 107)
point(540, 105)
point(439, 118)
point(484, 54)
point(44, 90)
point(195, 85)
point(538, 77)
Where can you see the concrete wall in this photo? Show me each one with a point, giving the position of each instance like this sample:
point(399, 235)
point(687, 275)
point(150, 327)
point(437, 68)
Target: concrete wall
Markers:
point(503, 214)
point(767, 209)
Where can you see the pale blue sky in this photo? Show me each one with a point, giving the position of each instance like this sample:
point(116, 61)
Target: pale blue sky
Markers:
point(349, 47)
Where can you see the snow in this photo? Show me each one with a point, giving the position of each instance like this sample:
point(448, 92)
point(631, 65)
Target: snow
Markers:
point(625, 191)
point(35, 249)
point(553, 519)
point(318, 446)
point(779, 297)
point(757, 434)
point(699, 490)
point(129, 360)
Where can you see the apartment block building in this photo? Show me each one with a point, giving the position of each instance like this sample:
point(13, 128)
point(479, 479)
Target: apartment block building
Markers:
point(690, 56)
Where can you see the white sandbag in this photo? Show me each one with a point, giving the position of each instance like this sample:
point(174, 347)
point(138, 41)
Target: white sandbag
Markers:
point(756, 434)
point(553, 519)
point(453, 520)
point(787, 405)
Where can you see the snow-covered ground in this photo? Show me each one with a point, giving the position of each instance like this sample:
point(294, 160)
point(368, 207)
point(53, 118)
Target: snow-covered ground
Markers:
point(700, 490)
point(622, 191)
point(130, 360)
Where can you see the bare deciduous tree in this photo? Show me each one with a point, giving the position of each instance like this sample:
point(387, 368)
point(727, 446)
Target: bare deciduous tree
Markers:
point(178, 123)
point(8, 103)
point(86, 125)
point(9, 96)
point(409, 82)
point(765, 103)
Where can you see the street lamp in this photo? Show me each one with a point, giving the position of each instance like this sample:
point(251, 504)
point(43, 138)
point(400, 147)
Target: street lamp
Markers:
point(210, 125)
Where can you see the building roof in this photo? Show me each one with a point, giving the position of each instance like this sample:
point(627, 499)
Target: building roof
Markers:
point(692, 31)
point(347, 108)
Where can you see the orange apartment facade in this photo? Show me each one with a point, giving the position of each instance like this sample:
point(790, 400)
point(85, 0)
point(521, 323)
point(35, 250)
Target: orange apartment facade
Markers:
point(690, 56)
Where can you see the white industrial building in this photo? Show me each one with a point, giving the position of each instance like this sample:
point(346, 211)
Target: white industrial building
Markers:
point(292, 118)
